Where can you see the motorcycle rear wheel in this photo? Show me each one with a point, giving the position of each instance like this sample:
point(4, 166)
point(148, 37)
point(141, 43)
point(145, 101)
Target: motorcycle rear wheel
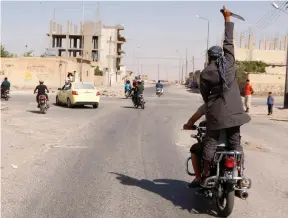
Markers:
point(225, 203)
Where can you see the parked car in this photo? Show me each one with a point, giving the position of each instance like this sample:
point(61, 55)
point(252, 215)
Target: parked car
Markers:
point(78, 93)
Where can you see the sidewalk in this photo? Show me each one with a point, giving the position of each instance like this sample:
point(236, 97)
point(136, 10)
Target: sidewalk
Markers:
point(278, 113)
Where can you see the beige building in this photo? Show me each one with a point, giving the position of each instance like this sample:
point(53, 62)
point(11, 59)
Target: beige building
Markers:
point(25, 72)
point(97, 42)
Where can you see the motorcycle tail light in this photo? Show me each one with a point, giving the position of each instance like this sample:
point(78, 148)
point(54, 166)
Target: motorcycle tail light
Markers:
point(229, 162)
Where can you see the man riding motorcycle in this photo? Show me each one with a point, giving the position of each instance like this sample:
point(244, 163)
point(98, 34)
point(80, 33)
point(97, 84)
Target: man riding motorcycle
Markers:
point(5, 86)
point(139, 90)
point(220, 92)
point(127, 86)
point(41, 88)
point(134, 85)
point(159, 85)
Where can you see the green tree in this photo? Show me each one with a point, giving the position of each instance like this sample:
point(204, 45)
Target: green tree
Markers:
point(4, 53)
point(98, 72)
point(28, 54)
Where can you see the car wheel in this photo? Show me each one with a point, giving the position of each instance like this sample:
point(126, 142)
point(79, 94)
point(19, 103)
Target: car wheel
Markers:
point(69, 105)
point(57, 101)
point(95, 105)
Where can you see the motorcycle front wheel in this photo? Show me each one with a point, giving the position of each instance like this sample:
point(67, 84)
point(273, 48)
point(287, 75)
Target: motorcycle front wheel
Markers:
point(225, 199)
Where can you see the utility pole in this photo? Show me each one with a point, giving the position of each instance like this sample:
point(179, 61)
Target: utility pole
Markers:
point(193, 64)
point(286, 83)
point(141, 69)
point(179, 71)
point(158, 71)
point(182, 71)
point(186, 64)
point(109, 62)
point(82, 41)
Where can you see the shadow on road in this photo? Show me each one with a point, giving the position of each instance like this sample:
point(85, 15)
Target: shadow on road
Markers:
point(172, 190)
point(128, 107)
point(35, 111)
point(281, 120)
point(74, 107)
point(193, 90)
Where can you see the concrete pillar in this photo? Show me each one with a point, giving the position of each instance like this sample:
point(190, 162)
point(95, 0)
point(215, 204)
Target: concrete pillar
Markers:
point(242, 42)
point(54, 27)
point(267, 45)
point(68, 27)
point(60, 29)
point(261, 45)
point(71, 30)
point(75, 29)
point(276, 44)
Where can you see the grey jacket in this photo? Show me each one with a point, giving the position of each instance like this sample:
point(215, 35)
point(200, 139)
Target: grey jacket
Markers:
point(226, 110)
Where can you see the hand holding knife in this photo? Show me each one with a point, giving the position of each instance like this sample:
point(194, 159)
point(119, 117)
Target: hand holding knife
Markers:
point(226, 13)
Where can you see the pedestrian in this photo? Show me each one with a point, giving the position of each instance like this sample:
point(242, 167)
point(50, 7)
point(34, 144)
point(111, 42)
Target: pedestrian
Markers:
point(270, 103)
point(248, 92)
point(68, 80)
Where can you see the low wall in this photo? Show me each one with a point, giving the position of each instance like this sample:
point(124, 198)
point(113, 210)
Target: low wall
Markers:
point(25, 72)
point(99, 81)
point(264, 83)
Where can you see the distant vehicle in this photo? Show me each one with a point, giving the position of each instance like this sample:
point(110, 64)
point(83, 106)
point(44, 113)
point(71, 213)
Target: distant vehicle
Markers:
point(78, 93)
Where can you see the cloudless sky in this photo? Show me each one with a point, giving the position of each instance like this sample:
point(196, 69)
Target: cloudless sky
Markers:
point(152, 29)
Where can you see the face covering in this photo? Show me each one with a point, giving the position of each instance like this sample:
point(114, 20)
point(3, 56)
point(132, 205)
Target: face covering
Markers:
point(216, 52)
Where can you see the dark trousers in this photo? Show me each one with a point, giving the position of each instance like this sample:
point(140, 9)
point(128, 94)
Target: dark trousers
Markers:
point(270, 108)
point(212, 137)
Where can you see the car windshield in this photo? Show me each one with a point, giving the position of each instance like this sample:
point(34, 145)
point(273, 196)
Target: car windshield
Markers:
point(83, 86)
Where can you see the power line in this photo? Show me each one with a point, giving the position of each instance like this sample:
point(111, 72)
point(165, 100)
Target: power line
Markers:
point(265, 21)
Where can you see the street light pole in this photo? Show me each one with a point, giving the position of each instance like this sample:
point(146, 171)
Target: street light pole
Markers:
point(208, 36)
point(82, 41)
point(275, 5)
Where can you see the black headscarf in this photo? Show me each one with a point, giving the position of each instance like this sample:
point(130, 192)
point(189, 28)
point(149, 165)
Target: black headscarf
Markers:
point(216, 53)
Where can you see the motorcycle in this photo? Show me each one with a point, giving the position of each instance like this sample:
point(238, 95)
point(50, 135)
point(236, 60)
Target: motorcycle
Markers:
point(159, 92)
point(5, 95)
point(139, 102)
point(128, 93)
point(43, 104)
point(226, 179)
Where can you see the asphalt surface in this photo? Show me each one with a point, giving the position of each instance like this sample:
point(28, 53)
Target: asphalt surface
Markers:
point(118, 161)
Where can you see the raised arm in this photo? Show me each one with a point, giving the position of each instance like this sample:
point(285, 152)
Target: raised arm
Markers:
point(228, 45)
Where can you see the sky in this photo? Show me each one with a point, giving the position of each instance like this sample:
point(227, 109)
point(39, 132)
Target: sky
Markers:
point(163, 29)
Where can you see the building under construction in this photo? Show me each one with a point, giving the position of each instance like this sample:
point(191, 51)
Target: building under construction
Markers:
point(91, 41)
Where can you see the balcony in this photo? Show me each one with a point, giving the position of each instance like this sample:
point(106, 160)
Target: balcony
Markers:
point(120, 52)
point(121, 39)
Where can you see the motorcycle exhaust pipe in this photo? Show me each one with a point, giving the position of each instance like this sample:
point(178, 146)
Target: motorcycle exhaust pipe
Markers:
point(242, 194)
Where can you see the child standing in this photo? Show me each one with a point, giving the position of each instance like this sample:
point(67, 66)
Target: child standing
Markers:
point(270, 102)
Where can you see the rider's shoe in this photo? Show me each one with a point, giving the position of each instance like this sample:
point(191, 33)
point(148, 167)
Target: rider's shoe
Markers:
point(195, 183)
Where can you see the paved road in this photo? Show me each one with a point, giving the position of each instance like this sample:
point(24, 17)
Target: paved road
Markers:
point(117, 161)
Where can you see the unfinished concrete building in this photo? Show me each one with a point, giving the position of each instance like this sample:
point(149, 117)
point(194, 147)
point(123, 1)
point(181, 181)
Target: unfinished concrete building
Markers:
point(96, 42)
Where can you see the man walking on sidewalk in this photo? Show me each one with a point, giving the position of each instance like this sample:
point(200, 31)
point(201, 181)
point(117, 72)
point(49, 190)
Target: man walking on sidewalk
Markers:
point(248, 92)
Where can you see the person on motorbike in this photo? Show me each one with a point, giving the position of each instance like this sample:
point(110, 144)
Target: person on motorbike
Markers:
point(220, 91)
point(41, 88)
point(134, 85)
point(196, 149)
point(159, 85)
point(127, 86)
point(139, 90)
point(5, 85)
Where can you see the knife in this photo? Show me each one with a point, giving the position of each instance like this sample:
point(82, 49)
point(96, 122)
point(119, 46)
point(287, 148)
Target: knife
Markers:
point(234, 15)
